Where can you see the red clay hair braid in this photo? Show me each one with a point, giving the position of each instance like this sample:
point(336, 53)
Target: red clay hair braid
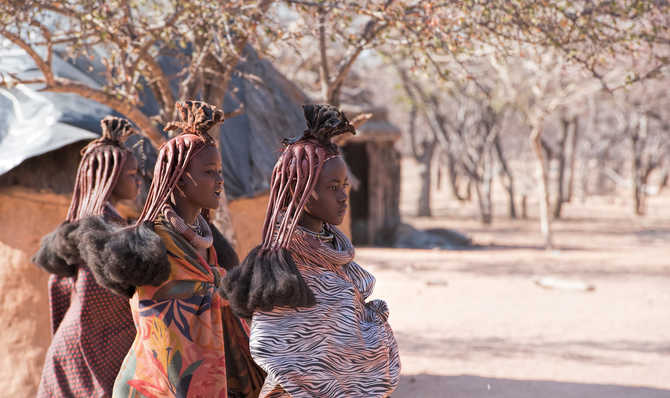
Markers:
point(99, 169)
point(268, 276)
point(297, 171)
point(197, 118)
point(293, 179)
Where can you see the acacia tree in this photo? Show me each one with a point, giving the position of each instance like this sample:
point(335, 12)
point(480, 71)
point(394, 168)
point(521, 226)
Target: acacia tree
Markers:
point(123, 42)
point(538, 85)
point(585, 38)
point(465, 119)
point(328, 38)
point(567, 144)
point(423, 142)
point(591, 35)
point(628, 142)
point(473, 133)
point(602, 149)
point(561, 150)
point(430, 135)
point(643, 120)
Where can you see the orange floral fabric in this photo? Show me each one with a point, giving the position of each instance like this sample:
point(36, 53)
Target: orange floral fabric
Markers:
point(184, 328)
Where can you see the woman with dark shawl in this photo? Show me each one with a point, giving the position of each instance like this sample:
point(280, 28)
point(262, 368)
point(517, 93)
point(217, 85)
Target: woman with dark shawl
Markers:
point(92, 328)
point(188, 343)
point(312, 330)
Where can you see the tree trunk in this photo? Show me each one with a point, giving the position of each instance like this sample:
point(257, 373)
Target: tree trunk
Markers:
point(483, 182)
point(468, 191)
point(506, 177)
point(215, 94)
point(543, 186)
point(426, 161)
point(584, 181)
point(637, 139)
point(334, 98)
point(572, 158)
point(424, 209)
point(483, 202)
point(641, 189)
point(664, 180)
point(438, 177)
point(602, 182)
point(640, 197)
point(560, 181)
point(487, 217)
point(454, 180)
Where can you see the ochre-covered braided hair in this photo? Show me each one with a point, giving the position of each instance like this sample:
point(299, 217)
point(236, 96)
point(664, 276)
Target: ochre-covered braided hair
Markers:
point(197, 118)
point(99, 169)
point(268, 277)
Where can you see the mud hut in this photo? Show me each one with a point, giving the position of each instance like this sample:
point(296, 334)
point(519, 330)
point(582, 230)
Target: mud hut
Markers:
point(41, 135)
point(374, 162)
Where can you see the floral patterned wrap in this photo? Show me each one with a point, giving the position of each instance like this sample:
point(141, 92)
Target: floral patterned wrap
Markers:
point(188, 344)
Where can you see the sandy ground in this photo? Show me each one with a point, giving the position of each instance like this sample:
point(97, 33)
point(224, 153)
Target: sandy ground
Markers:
point(475, 323)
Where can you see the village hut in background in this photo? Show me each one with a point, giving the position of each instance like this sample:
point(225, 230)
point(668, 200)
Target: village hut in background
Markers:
point(374, 161)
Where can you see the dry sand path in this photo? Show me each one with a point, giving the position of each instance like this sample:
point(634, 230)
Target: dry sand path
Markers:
point(475, 324)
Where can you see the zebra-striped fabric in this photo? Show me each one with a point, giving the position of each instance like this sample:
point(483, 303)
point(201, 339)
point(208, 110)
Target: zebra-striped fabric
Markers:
point(342, 347)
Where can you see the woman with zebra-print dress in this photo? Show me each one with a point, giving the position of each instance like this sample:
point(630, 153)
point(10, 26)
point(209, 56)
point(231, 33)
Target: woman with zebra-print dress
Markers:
point(312, 330)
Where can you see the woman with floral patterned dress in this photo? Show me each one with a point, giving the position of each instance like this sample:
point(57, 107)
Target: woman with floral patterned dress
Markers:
point(188, 344)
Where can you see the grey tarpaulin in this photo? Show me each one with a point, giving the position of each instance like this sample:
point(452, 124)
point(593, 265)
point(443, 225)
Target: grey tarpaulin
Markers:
point(250, 142)
point(34, 122)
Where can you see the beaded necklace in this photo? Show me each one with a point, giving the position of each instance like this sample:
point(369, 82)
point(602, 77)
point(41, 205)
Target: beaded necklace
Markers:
point(322, 235)
point(199, 234)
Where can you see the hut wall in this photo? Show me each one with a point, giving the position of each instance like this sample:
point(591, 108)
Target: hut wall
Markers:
point(53, 171)
point(247, 215)
point(34, 198)
point(356, 157)
point(383, 191)
point(25, 215)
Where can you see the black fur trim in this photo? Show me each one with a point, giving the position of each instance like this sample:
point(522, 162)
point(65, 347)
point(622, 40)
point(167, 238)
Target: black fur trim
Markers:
point(122, 258)
point(58, 252)
point(225, 254)
point(266, 279)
